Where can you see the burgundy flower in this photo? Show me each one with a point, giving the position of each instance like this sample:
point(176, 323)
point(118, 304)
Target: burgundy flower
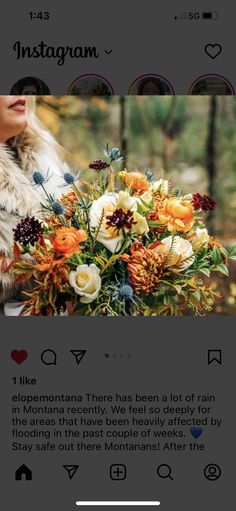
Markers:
point(203, 202)
point(121, 219)
point(98, 165)
point(28, 231)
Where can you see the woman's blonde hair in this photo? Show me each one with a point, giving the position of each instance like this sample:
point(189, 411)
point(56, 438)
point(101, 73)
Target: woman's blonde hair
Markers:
point(35, 141)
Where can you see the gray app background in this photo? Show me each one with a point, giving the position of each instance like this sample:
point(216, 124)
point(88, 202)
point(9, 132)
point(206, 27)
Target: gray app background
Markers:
point(151, 355)
point(165, 356)
point(144, 38)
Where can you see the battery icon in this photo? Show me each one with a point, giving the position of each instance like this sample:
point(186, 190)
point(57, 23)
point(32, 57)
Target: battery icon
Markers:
point(213, 15)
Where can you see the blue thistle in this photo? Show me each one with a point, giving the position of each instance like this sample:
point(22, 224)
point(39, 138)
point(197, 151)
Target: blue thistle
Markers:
point(177, 192)
point(149, 175)
point(57, 208)
point(38, 178)
point(126, 292)
point(69, 178)
point(113, 154)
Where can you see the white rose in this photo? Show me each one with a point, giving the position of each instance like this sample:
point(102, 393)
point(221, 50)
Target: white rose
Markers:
point(140, 226)
point(199, 238)
point(109, 237)
point(126, 202)
point(161, 185)
point(86, 282)
point(181, 250)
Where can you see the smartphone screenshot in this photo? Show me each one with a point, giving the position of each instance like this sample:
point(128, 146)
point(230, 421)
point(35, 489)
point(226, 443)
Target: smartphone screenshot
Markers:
point(117, 256)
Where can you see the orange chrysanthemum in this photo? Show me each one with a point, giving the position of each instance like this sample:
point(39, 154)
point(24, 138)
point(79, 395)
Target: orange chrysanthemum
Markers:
point(55, 269)
point(135, 180)
point(69, 201)
point(145, 267)
point(53, 221)
point(177, 214)
point(67, 241)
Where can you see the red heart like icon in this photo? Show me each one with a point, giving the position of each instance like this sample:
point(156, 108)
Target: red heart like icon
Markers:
point(19, 356)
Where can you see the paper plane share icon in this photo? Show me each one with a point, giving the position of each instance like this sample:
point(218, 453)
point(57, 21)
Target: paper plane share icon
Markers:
point(78, 354)
point(71, 470)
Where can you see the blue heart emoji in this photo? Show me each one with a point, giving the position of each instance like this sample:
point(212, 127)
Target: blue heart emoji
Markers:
point(196, 432)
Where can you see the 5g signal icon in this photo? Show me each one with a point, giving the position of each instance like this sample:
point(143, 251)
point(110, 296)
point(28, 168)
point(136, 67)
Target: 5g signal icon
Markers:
point(195, 16)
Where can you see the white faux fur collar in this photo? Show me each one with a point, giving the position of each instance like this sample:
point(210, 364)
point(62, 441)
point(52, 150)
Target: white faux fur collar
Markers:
point(17, 195)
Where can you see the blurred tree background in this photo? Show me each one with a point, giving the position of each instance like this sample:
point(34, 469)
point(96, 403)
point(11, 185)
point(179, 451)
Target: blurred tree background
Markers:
point(192, 138)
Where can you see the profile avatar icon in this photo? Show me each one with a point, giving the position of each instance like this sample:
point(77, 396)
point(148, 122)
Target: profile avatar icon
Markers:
point(151, 85)
point(212, 472)
point(212, 85)
point(30, 86)
point(90, 85)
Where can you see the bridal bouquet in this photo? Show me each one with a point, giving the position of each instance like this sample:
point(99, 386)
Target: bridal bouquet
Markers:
point(123, 244)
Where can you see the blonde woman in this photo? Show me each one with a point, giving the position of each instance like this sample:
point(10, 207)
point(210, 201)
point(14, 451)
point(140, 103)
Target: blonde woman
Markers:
point(25, 146)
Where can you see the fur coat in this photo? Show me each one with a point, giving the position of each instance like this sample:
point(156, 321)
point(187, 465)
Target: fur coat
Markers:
point(19, 198)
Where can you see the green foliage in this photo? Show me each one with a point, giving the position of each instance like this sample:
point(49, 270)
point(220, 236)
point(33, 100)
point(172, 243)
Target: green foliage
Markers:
point(231, 253)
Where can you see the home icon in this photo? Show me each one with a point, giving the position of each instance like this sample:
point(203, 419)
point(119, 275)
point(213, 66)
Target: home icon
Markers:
point(23, 473)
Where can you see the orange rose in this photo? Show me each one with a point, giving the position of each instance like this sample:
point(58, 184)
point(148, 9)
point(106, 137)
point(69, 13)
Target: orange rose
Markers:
point(135, 180)
point(177, 214)
point(67, 241)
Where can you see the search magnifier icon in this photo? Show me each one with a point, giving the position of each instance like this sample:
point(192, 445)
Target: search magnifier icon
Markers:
point(164, 471)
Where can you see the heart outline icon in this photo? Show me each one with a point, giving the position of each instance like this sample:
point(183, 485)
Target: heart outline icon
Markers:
point(19, 356)
point(213, 50)
point(196, 432)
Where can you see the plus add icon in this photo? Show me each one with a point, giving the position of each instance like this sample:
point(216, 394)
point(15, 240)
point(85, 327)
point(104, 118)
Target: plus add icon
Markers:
point(118, 472)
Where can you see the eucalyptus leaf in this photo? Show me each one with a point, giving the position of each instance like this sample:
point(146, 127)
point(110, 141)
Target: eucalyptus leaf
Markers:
point(231, 252)
point(216, 256)
point(205, 271)
point(222, 268)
